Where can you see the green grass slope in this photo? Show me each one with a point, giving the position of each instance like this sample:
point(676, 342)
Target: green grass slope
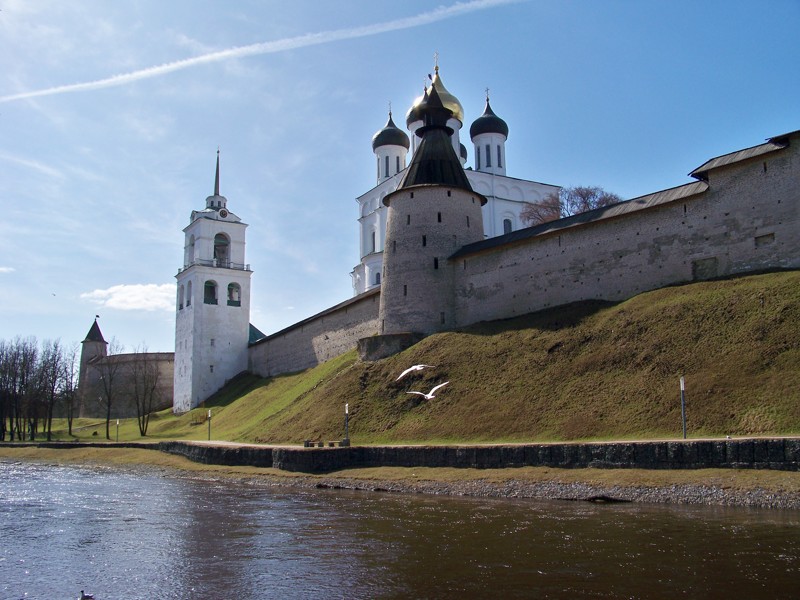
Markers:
point(585, 371)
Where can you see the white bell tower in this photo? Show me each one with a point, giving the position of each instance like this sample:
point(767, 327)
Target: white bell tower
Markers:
point(212, 324)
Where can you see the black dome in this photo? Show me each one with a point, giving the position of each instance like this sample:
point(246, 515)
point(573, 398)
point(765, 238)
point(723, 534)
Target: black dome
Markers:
point(390, 135)
point(488, 122)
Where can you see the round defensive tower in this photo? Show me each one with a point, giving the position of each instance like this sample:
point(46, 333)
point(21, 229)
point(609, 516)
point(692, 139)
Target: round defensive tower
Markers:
point(433, 213)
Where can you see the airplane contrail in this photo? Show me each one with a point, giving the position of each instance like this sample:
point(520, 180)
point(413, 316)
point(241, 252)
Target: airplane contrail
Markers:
point(302, 41)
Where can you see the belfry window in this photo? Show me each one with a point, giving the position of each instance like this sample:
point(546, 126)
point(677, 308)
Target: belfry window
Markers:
point(189, 294)
point(222, 255)
point(234, 294)
point(180, 298)
point(210, 292)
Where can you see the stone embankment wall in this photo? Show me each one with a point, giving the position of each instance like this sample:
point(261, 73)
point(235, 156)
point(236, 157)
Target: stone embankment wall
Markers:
point(778, 454)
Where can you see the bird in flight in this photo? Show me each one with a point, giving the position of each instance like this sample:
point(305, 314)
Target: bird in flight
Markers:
point(414, 368)
point(429, 395)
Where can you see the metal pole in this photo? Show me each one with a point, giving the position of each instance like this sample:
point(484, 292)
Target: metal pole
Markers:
point(209, 424)
point(683, 405)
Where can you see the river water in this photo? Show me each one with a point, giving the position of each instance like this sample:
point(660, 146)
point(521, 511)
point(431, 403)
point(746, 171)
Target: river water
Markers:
point(131, 535)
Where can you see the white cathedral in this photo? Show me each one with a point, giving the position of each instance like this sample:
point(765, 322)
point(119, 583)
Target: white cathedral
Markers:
point(505, 195)
point(213, 331)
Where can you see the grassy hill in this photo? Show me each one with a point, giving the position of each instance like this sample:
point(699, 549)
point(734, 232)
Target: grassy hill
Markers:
point(590, 370)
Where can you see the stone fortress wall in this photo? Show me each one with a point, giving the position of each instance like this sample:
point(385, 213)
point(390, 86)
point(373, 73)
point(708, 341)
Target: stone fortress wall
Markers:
point(742, 215)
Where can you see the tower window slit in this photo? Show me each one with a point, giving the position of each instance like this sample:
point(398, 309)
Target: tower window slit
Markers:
point(386, 170)
point(499, 159)
point(435, 263)
point(405, 290)
point(488, 156)
point(439, 217)
point(408, 219)
point(424, 241)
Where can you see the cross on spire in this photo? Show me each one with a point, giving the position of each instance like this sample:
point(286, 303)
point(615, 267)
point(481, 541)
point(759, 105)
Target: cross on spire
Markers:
point(436, 62)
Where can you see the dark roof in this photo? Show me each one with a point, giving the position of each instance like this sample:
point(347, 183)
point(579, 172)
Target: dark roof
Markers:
point(591, 216)
point(255, 334)
point(488, 122)
point(390, 135)
point(435, 162)
point(773, 144)
point(94, 334)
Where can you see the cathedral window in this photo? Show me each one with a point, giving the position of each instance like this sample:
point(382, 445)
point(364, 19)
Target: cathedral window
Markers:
point(386, 170)
point(373, 241)
point(397, 164)
point(377, 278)
point(507, 226)
point(234, 295)
point(478, 157)
point(488, 155)
point(499, 161)
point(379, 167)
point(210, 292)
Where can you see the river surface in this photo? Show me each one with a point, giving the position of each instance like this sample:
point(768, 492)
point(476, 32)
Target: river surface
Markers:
point(131, 535)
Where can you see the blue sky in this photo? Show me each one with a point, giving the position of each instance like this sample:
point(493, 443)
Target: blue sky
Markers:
point(111, 114)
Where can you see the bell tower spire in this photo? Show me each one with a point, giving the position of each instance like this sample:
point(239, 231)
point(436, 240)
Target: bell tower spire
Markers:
point(212, 322)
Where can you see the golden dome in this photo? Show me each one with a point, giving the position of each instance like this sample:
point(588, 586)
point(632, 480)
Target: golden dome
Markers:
point(448, 101)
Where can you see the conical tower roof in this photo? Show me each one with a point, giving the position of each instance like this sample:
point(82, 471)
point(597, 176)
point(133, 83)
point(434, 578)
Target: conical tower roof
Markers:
point(95, 335)
point(435, 162)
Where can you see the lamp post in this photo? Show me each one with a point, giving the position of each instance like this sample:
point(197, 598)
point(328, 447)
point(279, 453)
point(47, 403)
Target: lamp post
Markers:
point(346, 440)
point(683, 405)
point(118, 430)
point(209, 424)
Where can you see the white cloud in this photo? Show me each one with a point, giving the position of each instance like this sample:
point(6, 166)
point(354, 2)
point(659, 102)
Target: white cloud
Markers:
point(7, 269)
point(310, 39)
point(138, 296)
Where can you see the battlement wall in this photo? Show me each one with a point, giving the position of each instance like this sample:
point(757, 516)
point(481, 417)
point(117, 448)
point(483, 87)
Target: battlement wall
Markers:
point(747, 220)
point(322, 337)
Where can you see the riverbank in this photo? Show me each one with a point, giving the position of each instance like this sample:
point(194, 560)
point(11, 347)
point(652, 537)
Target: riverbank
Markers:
point(759, 488)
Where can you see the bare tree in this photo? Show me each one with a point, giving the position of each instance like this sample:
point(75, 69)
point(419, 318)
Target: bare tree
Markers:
point(69, 388)
point(50, 379)
point(566, 202)
point(110, 383)
point(144, 376)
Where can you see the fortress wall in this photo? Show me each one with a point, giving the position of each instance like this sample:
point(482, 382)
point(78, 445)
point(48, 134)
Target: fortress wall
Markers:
point(317, 339)
point(748, 220)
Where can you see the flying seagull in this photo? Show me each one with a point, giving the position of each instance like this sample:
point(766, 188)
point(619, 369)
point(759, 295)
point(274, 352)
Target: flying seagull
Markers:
point(430, 395)
point(414, 368)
